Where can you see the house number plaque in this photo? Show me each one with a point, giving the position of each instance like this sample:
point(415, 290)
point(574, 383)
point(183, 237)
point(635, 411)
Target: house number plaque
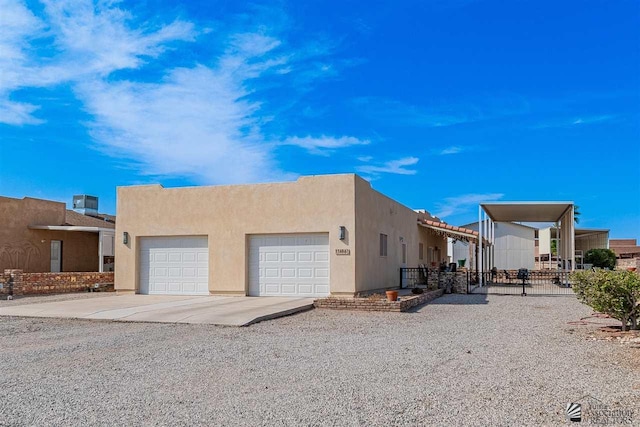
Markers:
point(343, 251)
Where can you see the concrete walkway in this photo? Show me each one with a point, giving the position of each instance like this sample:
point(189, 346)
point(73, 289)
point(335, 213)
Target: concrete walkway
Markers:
point(213, 310)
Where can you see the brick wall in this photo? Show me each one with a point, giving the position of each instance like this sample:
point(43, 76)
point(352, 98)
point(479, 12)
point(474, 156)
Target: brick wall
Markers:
point(377, 304)
point(20, 283)
point(4, 284)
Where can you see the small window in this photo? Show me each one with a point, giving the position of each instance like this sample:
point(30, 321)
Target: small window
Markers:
point(383, 244)
point(404, 253)
point(420, 251)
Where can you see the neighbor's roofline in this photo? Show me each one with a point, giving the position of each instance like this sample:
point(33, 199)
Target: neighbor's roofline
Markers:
point(526, 203)
point(71, 228)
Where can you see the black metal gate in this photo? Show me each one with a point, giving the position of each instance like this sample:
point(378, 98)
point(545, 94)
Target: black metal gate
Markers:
point(511, 283)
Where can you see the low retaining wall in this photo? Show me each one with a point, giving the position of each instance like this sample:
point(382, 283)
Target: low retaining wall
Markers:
point(16, 282)
point(377, 304)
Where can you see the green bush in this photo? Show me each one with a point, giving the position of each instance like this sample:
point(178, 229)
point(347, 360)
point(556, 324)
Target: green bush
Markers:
point(603, 258)
point(616, 293)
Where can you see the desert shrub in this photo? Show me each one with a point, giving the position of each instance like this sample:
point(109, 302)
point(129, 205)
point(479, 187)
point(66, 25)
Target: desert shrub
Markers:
point(616, 293)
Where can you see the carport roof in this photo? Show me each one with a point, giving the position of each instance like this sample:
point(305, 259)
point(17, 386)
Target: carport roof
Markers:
point(526, 211)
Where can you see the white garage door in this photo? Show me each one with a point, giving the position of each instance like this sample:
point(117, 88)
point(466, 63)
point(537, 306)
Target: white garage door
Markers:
point(174, 265)
point(289, 265)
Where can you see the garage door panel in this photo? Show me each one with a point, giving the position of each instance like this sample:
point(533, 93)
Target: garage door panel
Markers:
point(189, 272)
point(305, 256)
point(288, 257)
point(271, 272)
point(271, 257)
point(321, 272)
point(288, 272)
point(305, 273)
point(289, 265)
point(321, 256)
point(174, 265)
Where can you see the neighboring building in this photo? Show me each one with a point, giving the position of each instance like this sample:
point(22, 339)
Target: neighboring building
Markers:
point(43, 236)
point(625, 248)
point(627, 252)
point(317, 236)
point(513, 247)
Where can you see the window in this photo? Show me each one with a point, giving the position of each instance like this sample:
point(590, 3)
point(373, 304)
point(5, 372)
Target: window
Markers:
point(420, 251)
point(404, 253)
point(383, 244)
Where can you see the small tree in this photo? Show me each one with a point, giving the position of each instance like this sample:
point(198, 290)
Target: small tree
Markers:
point(616, 293)
point(603, 258)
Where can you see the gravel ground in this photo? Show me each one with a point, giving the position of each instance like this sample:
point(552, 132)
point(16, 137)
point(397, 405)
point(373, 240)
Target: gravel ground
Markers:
point(461, 360)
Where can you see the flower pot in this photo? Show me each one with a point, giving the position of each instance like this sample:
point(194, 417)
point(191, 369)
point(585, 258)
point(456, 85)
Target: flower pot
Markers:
point(631, 268)
point(392, 296)
point(462, 262)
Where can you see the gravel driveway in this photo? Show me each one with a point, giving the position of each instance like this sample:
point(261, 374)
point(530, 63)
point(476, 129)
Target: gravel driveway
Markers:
point(461, 360)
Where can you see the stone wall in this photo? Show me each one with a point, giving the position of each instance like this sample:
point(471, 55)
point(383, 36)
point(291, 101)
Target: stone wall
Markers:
point(377, 303)
point(16, 282)
point(624, 263)
point(453, 282)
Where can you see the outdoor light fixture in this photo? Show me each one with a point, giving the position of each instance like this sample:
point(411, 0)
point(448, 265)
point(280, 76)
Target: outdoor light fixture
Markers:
point(125, 238)
point(342, 232)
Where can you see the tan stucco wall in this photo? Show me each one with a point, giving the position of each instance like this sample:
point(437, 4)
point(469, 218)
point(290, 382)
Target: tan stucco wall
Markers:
point(30, 250)
point(376, 214)
point(228, 215)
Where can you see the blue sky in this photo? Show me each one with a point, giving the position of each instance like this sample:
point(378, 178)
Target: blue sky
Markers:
point(440, 103)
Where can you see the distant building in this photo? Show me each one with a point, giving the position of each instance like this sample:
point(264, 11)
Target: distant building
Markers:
point(40, 236)
point(627, 252)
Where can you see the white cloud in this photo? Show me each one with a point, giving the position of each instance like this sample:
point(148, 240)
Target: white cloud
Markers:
point(592, 119)
point(570, 122)
point(324, 144)
point(202, 120)
point(83, 41)
point(393, 167)
point(100, 37)
point(18, 113)
point(459, 204)
point(450, 150)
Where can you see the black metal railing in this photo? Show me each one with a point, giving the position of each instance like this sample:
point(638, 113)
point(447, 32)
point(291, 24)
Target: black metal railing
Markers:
point(531, 282)
point(413, 277)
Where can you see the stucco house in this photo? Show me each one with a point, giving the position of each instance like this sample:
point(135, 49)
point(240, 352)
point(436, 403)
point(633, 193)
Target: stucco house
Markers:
point(314, 237)
point(39, 236)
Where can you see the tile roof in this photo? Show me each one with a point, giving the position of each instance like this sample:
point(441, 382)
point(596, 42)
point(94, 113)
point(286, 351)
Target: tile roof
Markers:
point(444, 226)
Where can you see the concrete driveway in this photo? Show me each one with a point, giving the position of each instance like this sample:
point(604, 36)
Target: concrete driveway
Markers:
point(214, 310)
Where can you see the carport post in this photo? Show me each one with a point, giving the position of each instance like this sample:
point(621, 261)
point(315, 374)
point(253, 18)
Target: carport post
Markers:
point(480, 257)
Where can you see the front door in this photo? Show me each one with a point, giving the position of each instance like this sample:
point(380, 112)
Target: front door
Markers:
point(56, 256)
